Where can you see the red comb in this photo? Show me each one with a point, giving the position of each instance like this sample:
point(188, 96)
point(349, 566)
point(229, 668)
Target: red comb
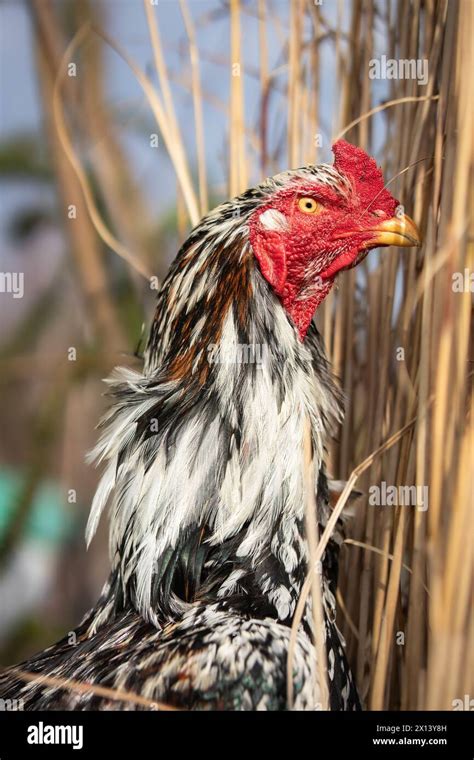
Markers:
point(365, 175)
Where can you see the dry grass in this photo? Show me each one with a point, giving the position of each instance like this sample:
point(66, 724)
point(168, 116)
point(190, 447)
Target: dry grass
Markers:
point(407, 575)
point(85, 688)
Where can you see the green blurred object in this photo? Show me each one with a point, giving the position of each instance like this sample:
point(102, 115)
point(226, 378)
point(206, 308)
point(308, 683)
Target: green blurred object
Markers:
point(48, 520)
point(24, 156)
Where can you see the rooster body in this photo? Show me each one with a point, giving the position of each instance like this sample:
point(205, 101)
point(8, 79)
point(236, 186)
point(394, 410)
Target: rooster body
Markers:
point(210, 455)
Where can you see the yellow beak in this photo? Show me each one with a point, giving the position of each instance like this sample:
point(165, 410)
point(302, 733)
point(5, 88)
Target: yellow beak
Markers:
point(400, 230)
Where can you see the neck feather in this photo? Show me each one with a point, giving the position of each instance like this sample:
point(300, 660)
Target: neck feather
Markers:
point(204, 451)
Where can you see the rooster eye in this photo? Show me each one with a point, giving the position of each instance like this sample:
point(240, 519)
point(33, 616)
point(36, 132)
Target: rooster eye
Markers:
point(309, 205)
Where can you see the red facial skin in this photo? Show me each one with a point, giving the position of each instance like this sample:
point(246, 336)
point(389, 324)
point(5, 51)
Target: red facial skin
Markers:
point(301, 262)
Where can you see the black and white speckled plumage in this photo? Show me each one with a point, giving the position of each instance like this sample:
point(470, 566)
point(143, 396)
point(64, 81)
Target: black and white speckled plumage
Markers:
point(205, 484)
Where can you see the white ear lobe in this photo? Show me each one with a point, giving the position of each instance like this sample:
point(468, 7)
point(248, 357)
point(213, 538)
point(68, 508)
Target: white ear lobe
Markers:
point(274, 220)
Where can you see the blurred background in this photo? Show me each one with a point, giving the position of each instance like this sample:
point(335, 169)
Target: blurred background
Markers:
point(121, 123)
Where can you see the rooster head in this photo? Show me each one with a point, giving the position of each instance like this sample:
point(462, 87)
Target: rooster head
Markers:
point(320, 220)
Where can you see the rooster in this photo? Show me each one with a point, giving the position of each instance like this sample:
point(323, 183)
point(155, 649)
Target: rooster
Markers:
point(209, 455)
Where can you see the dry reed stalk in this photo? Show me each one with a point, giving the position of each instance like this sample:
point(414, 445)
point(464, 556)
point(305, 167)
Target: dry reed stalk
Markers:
point(176, 155)
point(265, 84)
point(317, 555)
point(122, 195)
point(237, 157)
point(87, 254)
point(79, 171)
point(294, 82)
point(82, 687)
point(165, 113)
point(450, 555)
point(198, 111)
point(321, 686)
